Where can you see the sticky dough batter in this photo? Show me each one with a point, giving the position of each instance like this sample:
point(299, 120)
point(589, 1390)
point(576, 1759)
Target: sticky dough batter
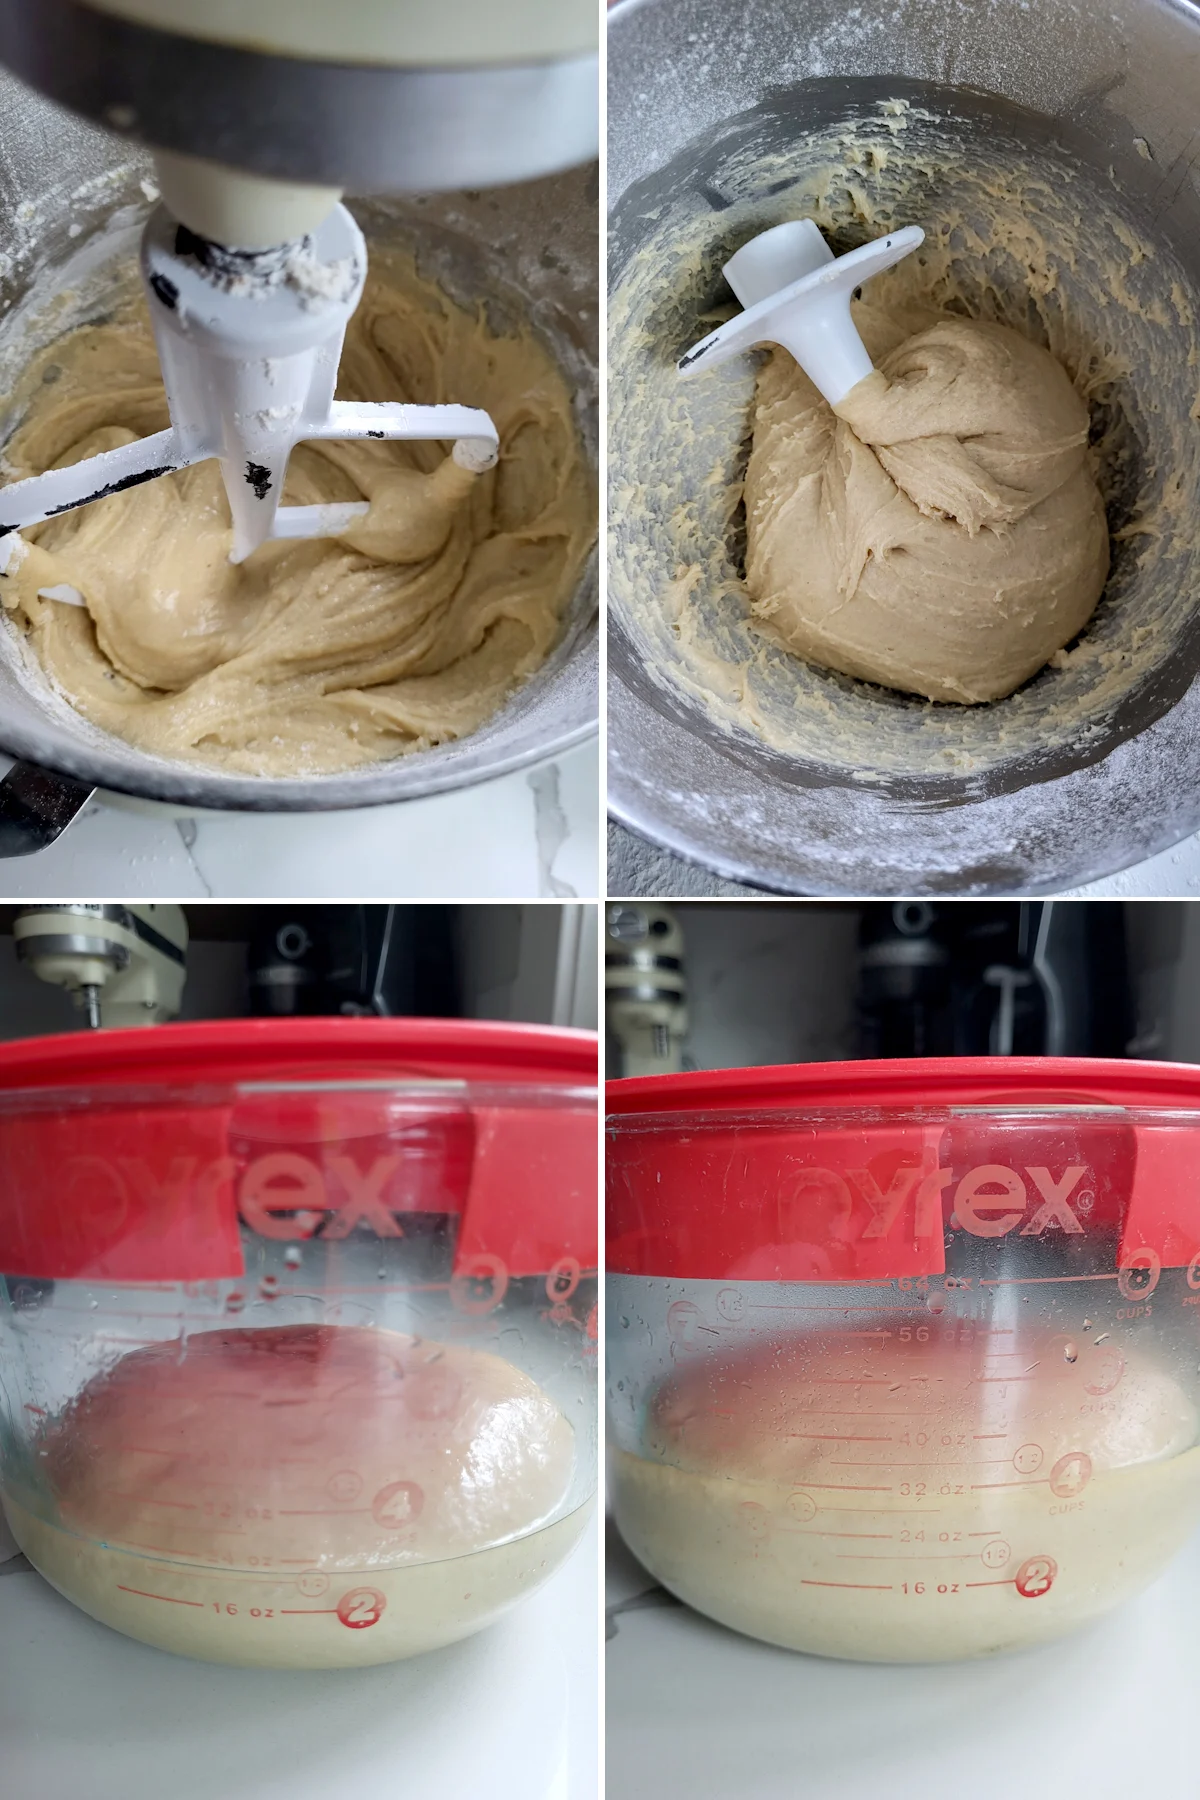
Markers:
point(318, 656)
point(286, 1473)
point(941, 532)
point(905, 1502)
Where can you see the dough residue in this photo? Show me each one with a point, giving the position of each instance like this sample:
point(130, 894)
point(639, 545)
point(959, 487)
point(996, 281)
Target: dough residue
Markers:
point(891, 1501)
point(225, 1498)
point(325, 655)
point(940, 531)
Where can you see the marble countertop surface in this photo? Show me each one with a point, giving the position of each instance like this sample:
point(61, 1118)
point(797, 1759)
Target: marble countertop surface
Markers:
point(529, 835)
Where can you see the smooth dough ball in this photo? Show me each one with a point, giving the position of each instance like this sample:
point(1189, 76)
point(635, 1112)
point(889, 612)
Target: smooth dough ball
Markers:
point(942, 533)
point(890, 1499)
point(315, 1445)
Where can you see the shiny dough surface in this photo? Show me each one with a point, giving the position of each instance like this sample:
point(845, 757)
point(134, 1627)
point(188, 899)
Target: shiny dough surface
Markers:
point(442, 1450)
point(319, 656)
point(941, 530)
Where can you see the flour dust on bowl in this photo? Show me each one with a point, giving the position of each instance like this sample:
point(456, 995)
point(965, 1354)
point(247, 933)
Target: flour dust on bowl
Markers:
point(904, 1359)
point(1021, 714)
point(298, 1328)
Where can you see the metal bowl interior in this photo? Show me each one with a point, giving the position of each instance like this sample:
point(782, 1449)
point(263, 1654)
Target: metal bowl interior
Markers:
point(720, 124)
point(71, 200)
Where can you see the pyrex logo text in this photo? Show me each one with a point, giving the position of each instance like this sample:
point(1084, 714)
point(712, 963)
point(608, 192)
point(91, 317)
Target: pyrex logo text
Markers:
point(281, 1195)
point(988, 1201)
point(283, 1183)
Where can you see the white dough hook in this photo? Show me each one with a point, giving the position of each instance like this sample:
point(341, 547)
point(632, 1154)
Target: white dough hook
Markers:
point(797, 293)
point(248, 343)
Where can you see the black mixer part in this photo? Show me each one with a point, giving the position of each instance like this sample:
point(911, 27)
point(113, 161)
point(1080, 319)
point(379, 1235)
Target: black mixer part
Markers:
point(905, 981)
point(354, 961)
point(994, 978)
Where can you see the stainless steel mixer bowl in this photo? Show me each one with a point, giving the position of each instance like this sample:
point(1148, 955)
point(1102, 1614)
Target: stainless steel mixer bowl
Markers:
point(1117, 89)
point(537, 241)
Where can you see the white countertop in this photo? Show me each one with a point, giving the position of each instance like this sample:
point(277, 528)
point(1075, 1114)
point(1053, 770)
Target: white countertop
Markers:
point(1172, 873)
point(511, 1714)
point(530, 835)
point(697, 1711)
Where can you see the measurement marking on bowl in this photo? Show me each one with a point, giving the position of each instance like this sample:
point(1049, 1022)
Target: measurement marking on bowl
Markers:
point(865, 1587)
point(913, 1556)
point(841, 1487)
point(213, 1531)
point(879, 1412)
point(872, 1414)
point(150, 1500)
point(856, 1380)
point(1041, 1280)
point(377, 1287)
point(883, 1536)
point(982, 1487)
point(825, 1437)
point(807, 1306)
point(321, 1512)
point(951, 1462)
point(169, 1598)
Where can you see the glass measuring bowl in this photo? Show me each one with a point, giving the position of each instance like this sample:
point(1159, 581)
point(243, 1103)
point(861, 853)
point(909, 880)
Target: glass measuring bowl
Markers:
point(297, 1328)
point(904, 1358)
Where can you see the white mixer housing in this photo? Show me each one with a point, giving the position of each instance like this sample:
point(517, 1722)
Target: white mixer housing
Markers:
point(122, 964)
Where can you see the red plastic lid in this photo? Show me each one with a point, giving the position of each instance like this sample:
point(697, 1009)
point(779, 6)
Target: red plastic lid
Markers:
point(870, 1171)
point(146, 1155)
point(912, 1082)
point(226, 1051)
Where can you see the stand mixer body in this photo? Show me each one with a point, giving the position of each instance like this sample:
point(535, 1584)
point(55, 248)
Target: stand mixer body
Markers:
point(272, 268)
point(370, 96)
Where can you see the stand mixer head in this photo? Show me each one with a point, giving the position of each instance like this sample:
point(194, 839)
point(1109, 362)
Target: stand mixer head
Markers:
point(251, 266)
point(123, 965)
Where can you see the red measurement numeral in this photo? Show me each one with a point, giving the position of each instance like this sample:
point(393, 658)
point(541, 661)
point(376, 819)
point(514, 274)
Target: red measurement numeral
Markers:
point(1035, 1577)
point(361, 1607)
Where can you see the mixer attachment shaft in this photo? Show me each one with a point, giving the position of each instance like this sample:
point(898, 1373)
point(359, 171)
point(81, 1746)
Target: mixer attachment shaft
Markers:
point(249, 344)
